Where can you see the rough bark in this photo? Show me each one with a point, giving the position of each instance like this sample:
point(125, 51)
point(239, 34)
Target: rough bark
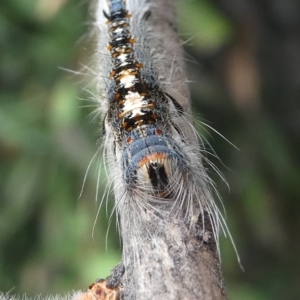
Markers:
point(175, 263)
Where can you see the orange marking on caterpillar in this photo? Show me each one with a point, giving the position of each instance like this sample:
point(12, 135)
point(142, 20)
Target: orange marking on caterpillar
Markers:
point(131, 40)
point(129, 140)
point(152, 157)
point(139, 65)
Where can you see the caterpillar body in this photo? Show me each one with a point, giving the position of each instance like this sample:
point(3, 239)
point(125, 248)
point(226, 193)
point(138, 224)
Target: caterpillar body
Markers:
point(139, 117)
point(152, 149)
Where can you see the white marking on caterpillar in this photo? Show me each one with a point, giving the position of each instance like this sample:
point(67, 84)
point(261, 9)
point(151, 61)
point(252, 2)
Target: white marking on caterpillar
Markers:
point(152, 149)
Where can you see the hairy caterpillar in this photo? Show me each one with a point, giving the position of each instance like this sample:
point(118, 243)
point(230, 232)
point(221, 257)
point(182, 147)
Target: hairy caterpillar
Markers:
point(153, 152)
point(152, 149)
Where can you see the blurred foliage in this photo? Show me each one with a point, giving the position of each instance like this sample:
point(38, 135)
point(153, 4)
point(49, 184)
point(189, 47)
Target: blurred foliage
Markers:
point(49, 239)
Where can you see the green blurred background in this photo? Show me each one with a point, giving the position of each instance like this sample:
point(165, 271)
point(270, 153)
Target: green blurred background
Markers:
point(244, 61)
